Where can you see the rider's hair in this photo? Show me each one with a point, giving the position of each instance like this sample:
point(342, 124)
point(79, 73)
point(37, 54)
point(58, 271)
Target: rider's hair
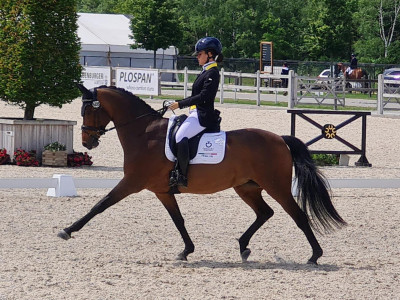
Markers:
point(217, 57)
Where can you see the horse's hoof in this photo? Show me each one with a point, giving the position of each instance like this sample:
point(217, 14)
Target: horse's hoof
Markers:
point(310, 262)
point(181, 256)
point(62, 234)
point(245, 254)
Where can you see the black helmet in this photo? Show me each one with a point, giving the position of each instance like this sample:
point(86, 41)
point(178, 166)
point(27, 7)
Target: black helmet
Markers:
point(209, 43)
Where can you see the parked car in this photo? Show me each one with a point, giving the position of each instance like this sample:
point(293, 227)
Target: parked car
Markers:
point(325, 73)
point(392, 74)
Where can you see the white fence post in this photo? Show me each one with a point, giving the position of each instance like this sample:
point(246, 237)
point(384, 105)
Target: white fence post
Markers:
point(258, 88)
point(292, 87)
point(381, 88)
point(221, 89)
point(185, 82)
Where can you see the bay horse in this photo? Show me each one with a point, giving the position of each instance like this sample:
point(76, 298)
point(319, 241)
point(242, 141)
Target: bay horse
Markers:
point(255, 160)
point(358, 73)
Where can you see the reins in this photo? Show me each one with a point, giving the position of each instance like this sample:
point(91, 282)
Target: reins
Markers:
point(160, 112)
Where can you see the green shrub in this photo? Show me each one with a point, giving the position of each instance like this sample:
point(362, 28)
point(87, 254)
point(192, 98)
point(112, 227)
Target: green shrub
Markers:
point(56, 146)
point(325, 159)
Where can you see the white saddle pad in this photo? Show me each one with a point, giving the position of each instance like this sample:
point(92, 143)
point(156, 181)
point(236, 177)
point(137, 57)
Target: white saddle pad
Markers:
point(211, 148)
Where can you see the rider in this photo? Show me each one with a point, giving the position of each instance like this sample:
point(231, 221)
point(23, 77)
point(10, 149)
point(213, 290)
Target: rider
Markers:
point(202, 114)
point(353, 64)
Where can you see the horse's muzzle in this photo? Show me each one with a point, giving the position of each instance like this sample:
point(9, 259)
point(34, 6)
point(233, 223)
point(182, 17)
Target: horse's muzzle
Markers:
point(91, 143)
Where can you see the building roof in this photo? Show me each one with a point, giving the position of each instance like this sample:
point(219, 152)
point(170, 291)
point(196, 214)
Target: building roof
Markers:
point(108, 32)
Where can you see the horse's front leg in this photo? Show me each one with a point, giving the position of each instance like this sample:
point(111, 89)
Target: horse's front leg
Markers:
point(117, 193)
point(172, 207)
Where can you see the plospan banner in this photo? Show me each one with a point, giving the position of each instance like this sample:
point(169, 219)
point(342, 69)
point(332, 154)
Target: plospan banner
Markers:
point(138, 81)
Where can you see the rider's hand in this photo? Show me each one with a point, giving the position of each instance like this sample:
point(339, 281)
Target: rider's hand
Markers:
point(174, 105)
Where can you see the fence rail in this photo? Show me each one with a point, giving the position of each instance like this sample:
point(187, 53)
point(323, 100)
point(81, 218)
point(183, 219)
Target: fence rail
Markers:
point(291, 88)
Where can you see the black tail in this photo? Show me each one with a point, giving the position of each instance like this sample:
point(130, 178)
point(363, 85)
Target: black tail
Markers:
point(313, 195)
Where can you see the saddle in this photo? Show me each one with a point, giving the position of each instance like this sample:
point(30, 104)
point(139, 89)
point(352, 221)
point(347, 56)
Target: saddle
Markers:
point(194, 141)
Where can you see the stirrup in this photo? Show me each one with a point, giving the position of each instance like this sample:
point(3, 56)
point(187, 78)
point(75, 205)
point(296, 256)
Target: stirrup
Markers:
point(182, 180)
point(173, 178)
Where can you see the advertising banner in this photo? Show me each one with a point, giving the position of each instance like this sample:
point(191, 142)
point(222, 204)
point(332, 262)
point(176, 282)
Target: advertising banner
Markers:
point(95, 76)
point(138, 81)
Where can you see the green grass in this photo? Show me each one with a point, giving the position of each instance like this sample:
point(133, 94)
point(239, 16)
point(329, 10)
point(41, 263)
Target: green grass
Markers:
point(373, 97)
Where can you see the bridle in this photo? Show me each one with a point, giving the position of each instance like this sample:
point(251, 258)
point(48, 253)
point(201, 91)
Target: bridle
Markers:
point(98, 132)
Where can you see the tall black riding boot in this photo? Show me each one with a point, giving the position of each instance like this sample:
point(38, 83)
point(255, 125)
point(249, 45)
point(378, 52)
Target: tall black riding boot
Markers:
point(183, 161)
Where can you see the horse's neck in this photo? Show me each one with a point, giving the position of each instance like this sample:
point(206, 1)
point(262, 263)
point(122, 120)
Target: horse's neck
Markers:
point(136, 136)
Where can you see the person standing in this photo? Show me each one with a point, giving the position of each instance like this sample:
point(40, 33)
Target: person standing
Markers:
point(285, 71)
point(202, 114)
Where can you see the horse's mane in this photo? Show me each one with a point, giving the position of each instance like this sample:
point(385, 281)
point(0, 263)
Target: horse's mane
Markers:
point(131, 96)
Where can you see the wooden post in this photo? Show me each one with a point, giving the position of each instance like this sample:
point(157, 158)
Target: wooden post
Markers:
point(381, 88)
point(185, 82)
point(221, 90)
point(292, 89)
point(258, 88)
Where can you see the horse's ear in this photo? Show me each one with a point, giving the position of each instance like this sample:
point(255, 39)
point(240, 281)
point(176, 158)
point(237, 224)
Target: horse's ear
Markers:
point(85, 92)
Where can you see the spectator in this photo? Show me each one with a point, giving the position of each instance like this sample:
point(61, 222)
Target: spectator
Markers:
point(285, 71)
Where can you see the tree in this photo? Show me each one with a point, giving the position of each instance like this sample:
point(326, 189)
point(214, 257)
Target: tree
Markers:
point(378, 27)
point(329, 31)
point(155, 24)
point(99, 6)
point(387, 23)
point(39, 53)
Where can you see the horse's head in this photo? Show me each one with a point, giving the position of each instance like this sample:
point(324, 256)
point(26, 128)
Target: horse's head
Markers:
point(95, 118)
point(341, 67)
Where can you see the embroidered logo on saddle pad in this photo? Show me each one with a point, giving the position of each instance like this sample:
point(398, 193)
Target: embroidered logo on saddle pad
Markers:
point(211, 149)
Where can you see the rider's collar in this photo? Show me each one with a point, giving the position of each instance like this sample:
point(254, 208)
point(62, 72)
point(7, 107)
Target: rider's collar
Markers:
point(209, 65)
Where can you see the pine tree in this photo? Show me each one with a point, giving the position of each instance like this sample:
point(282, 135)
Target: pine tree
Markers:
point(39, 53)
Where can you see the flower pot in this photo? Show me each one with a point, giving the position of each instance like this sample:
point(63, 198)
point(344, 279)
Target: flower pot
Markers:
point(54, 158)
point(4, 159)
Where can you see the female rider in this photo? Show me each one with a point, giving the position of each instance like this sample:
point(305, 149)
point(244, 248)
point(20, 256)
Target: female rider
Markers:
point(201, 113)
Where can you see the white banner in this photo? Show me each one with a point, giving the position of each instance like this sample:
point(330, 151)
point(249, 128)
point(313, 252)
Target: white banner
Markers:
point(95, 76)
point(138, 81)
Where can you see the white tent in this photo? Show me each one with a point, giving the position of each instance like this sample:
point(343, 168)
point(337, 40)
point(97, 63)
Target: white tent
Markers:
point(105, 42)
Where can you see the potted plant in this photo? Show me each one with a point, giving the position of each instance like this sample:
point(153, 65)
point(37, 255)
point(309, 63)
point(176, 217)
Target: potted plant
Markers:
point(39, 64)
point(25, 158)
point(55, 155)
point(4, 157)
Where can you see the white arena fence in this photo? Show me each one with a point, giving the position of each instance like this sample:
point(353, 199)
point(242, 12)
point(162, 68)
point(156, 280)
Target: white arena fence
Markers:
point(257, 86)
point(300, 89)
point(65, 185)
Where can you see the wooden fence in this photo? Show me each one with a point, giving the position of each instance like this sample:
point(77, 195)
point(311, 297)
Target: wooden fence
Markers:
point(299, 89)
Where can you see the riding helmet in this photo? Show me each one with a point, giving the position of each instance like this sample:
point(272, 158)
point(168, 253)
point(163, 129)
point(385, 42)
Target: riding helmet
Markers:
point(209, 43)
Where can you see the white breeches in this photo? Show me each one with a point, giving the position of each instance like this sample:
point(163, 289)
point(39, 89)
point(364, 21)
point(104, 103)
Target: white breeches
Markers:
point(190, 127)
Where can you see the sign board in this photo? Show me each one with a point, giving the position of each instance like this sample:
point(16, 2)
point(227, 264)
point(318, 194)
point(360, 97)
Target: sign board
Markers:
point(95, 76)
point(138, 81)
point(266, 57)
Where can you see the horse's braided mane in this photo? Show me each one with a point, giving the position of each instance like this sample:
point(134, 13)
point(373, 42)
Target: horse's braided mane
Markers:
point(128, 94)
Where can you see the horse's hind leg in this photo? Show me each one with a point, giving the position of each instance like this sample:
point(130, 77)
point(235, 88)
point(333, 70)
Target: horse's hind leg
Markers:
point(172, 207)
point(284, 197)
point(251, 194)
